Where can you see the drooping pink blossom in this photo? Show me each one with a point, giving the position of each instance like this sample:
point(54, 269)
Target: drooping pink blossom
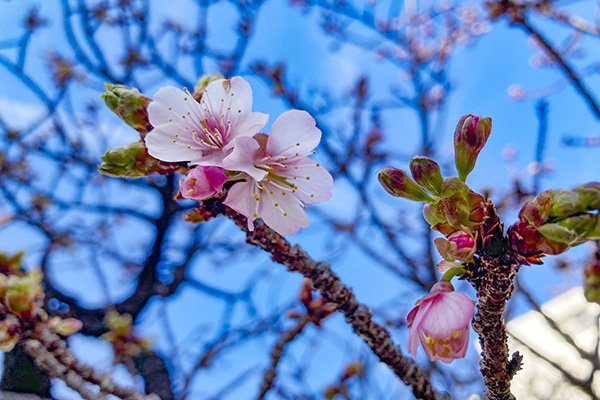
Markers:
point(440, 322)
point(279, 177)
point(202, 183)
point(201, 132)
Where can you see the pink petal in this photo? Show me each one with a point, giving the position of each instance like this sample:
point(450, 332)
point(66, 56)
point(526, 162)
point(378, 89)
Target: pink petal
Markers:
point(450, 311)
point(283, 213)
point(216, 177)
point(248, 124)
point(243, 156)
point(242, 198)
point(411, 315)
point(413, 342)
point(315, 183)
point(293, 133)
point(229, 104)
point(163, 144)
point(235, 93)
point(213, 158)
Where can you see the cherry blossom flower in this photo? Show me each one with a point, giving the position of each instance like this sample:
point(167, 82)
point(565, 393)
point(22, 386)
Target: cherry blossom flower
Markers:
point(202, 183)
point(440, 321)
point(279, 177)
point(201, 132)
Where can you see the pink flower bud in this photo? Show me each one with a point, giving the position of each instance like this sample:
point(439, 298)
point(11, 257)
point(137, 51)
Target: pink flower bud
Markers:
point(427, 174)
point(202, 183)
point(440, 321)
point(471, 134)
point(397, 183)
point(459, 246)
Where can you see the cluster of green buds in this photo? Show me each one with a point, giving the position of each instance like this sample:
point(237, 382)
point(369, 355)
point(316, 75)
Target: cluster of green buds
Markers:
point(21, 303)
point(121, 336)
point(451, 207)
point(556, 220)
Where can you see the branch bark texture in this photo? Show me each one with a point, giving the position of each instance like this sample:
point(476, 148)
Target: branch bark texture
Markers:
point(493, 277)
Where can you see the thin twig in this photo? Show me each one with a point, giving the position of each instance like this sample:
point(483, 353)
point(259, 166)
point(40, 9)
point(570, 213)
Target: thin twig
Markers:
point(277, 353)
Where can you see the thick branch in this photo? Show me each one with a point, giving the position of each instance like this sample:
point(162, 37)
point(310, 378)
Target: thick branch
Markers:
point(335, 292)
point(493, 278)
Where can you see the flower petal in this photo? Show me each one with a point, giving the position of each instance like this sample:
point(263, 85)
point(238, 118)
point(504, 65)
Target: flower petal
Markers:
point(248, 124)
point(243, 198)
point(243, 156)
point(449, 312)
point(172, 144)
point(282, 211)
point(171, 105)
point(314, 183)
point(294, 133)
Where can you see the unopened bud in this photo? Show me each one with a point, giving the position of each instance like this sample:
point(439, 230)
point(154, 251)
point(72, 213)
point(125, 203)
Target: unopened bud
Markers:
point(65, 327)
point(591, 287)
point(471, 134)
point(130, 105)
point(566, 203)
point(9, 333)
point(133, 161)
point(590, 195)
point(427, 174)
point(459, 246)
point(397, 183)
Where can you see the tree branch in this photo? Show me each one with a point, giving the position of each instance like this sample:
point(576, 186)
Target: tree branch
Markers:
point(331, 288)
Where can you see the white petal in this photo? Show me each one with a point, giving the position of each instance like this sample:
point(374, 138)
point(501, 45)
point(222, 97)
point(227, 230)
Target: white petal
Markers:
point(294, 133)
point(248, 124)
point(283, 213)
point(242, 197)
point(171, 105)
point(314, 182)
point(222, 93)
point(172, 144)
point(242, 158)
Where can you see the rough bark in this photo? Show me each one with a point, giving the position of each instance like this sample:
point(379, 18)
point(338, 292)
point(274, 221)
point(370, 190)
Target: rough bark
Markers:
point(493, 275)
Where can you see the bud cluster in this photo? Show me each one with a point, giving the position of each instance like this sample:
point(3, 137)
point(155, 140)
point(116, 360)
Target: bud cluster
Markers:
point(122, 338)
point(556, 220)
point(21, 304)
point(451, 205)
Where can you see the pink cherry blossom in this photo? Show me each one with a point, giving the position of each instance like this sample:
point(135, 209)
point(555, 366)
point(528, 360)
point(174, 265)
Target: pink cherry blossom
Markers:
point(440, 321)
point(202, 132)
point(279, 177)
point(202, 183)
